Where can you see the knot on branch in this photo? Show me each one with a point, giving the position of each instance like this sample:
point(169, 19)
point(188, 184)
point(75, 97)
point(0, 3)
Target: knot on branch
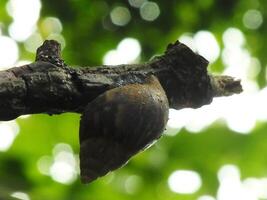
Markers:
point(190, 83)
point(50, 51)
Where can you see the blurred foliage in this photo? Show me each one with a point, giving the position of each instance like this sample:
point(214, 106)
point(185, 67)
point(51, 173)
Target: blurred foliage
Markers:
point(89, 34)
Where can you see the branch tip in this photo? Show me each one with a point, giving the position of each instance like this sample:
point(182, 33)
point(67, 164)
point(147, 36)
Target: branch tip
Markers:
point(225, 85)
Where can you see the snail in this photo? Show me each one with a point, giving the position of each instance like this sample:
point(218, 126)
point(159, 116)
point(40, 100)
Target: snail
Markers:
point(120, 123)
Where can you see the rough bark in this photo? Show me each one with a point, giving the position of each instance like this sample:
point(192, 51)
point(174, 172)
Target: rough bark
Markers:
point(49, 86)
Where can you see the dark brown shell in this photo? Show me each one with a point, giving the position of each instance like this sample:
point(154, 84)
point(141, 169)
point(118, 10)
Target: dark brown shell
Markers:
point(118, 124)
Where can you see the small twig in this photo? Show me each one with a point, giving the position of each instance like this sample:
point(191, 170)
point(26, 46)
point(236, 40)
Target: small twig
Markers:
point(225, 86)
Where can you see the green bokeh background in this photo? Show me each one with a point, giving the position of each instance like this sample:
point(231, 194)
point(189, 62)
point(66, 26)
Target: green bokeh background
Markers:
point(87, 41)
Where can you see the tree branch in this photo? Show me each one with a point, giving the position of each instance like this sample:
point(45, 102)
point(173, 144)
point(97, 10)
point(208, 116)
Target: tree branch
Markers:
point(49, 86)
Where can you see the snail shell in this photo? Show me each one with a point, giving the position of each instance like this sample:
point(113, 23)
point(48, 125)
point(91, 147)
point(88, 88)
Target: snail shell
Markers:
point(118, 124)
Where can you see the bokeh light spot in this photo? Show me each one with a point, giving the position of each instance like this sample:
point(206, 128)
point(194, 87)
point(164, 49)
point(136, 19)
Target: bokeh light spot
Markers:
point(8, 132)
point(237, 61)
point(62, 172)
point(207, 45)
point(17, 9)
point(228, 172)
point(128, 51)
point(9, 52)
point(112, 57)
point(136, 3)
point(23, 22)
point(33, 42)
point(252, 19)
point(133, 184)
point(64, 167)
point(256, 186)
point(206, 197)
point(188, 40)
point(61, 147)
point(231, 187)
point(51, 25)
point(120, 16)
point(19, 31)
point(184, 181)
point(233, 37)
point(228, 108)
point(233, 119)
point(44, 164)
point(254, 68)
point(149, 11)
point(20, 195)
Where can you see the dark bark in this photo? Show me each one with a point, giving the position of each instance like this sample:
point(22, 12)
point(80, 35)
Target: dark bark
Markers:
point(48, 85)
